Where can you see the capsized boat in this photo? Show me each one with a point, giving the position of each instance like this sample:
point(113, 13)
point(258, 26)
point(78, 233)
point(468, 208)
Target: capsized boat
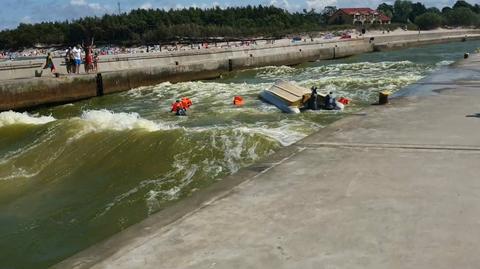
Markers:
point(288, 97)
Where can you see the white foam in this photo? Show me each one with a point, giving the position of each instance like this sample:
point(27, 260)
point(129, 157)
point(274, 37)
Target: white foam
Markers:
point(444, 63)
point(19, 173)
point(100, 120)
point(284, 135)
point(11, 118)
point(360, 88)
point(275, 72)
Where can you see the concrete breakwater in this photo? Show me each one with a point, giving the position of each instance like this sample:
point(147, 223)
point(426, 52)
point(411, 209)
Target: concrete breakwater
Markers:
point(406, 169)
point(18, 90)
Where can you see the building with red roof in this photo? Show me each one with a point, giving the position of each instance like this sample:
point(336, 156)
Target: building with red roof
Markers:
point(358, 16)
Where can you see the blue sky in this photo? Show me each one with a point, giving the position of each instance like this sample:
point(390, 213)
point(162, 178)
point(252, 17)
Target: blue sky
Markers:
point(13, 12)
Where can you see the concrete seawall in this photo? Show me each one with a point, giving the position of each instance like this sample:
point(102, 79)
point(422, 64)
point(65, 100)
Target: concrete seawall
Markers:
point(18, 90)
point(395, 187)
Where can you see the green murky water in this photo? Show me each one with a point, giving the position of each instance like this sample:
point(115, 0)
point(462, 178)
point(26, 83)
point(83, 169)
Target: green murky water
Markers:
point(73, 175)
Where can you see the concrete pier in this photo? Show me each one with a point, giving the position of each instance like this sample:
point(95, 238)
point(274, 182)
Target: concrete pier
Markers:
point(19, 90)
point(393, 187)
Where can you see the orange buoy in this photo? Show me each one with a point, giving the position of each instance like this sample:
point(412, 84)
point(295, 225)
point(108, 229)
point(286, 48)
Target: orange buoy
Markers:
point(238, 101)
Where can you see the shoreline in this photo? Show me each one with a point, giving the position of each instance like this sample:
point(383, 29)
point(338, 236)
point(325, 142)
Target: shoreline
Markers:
point(126, 73)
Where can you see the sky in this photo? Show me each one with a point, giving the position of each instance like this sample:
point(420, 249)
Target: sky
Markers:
point(13, 12)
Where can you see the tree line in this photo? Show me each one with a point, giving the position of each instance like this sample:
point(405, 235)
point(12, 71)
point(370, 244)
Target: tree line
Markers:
point(156, 26)
point(461, 13)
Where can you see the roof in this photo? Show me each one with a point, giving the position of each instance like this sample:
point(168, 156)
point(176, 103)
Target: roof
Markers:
point(353, 11)
point(384, 17)
point(364, 11)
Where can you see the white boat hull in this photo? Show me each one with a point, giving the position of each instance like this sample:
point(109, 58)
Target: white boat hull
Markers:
point(278, 102)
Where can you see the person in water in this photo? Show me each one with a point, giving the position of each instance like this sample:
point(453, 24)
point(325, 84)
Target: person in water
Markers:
point(238, 101)
point(313, 101)
point(329, 101)
point(186, 102)
point(179, 108)
point(49, 63)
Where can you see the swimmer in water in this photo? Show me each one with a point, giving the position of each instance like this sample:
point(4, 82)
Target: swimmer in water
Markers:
point(179, 108)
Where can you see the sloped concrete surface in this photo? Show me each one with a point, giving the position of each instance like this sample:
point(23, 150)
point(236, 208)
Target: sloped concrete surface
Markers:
point(395, 187)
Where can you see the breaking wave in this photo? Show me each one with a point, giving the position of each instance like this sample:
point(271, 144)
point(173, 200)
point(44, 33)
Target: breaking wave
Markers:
point(12, 118)
point(99, 120)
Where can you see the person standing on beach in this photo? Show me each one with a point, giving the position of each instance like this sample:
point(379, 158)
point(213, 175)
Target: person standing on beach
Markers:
point(77, 58)
point(95, 61)
point(88, 60)
point(88, 57)
point(71, 59)
point(68, 62)
point(49, 63)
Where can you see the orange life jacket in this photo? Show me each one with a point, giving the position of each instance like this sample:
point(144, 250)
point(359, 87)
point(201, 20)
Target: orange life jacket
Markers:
point(187, 103)
point(238, 101)
point(177, 106)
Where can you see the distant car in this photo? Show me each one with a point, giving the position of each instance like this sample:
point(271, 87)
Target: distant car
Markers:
point(296, 39)
point(345, 36)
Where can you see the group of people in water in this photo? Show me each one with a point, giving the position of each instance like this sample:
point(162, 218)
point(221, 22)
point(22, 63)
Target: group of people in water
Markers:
point(180, 106)
point(329, 101)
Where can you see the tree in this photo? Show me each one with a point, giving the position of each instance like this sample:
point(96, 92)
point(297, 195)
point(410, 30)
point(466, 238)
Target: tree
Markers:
point(445, 10)
point(140, 26)
point(476, 8)
point(462, 3)
point(76, 33)
point(386, 9)
point(462, 16)
point(402, 9)
point(434, 10)
point(327, 12)
point(429, 21)
point(417, 10)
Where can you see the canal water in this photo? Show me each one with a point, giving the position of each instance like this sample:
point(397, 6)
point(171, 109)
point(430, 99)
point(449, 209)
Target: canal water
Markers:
point(73, 175)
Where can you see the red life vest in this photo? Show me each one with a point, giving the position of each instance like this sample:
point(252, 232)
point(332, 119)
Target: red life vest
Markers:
point(344, 100)
point(187, 103)
point(238, 101)
point(177, 106)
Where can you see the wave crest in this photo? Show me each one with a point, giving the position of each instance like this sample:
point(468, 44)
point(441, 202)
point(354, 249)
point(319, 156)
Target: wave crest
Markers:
point(12, 118)
point(100, 120)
